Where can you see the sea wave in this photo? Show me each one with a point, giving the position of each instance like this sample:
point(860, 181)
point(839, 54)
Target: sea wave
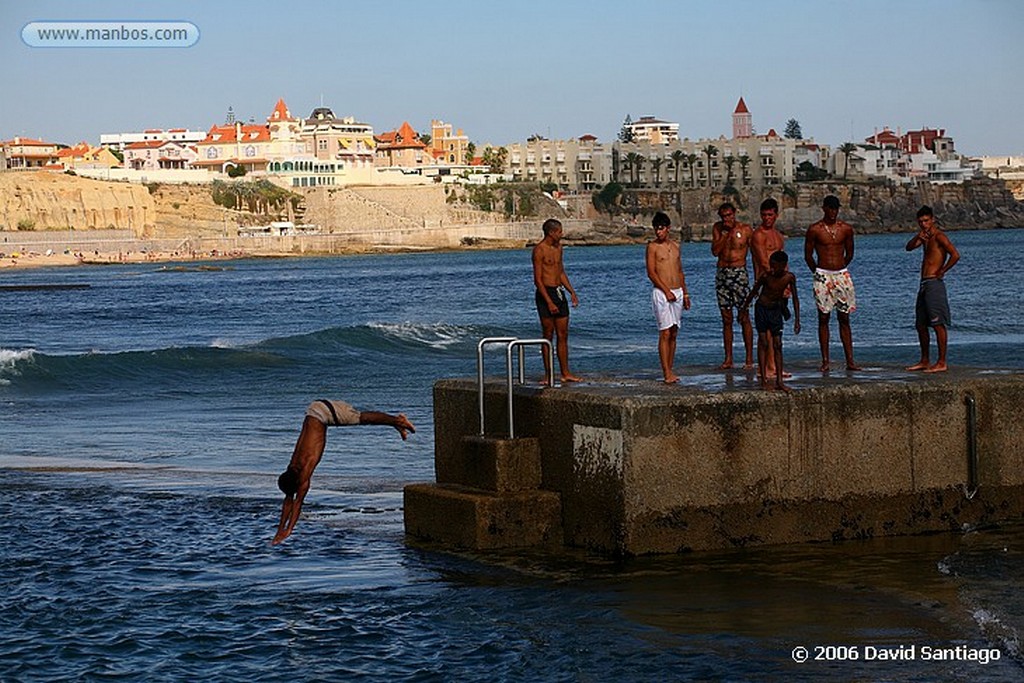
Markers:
point(11, 362)
point(404, 338)
point(182, 365)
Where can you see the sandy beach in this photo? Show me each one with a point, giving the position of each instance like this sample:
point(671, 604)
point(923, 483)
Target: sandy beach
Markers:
point(34, 259)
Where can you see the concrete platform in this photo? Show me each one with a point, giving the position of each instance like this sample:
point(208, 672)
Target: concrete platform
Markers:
point(714, 462)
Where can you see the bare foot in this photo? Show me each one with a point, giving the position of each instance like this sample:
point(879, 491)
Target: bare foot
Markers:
point(749, 365)
point(787, 375)
point(782, 387)
point(727, 365)
point(671, 379)
point(923, 365)
point(938, 367)
point(853, 366)
point(571, 378)
point(824, 366)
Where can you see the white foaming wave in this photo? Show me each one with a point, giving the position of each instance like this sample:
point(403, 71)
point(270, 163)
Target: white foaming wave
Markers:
point(221, 343)
point(995, 629)
point(434, 335)
point(9, 360)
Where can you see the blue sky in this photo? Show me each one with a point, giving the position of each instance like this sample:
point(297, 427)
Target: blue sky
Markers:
point(505, 70)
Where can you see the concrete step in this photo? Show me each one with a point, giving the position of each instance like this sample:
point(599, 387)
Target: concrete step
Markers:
point(499, 465)
point(482, 520)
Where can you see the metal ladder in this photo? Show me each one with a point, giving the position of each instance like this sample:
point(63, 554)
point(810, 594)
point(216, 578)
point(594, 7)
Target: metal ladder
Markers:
point(514, 344)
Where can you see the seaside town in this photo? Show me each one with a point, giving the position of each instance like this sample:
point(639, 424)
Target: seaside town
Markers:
point(329, 175)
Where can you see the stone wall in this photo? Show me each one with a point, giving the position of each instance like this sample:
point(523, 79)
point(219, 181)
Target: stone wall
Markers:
point(641, 468)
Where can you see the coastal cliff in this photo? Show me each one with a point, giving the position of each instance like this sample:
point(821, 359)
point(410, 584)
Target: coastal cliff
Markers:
point(976, 204)
point(41, 201)
point(56, 201)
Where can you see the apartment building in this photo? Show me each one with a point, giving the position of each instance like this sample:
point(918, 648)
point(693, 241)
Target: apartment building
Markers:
point(582, 163)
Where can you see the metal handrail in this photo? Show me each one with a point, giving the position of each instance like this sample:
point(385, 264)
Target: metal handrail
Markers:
point(514, 343)
point(520, 343)
point(480, 371)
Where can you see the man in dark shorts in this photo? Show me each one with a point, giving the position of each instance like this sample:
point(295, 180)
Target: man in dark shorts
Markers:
point(550, 280)
point(932, 308)
point(309, 449)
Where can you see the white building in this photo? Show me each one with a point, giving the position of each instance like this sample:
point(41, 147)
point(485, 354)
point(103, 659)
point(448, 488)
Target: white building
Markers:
point(654, 131)
point(120, 141)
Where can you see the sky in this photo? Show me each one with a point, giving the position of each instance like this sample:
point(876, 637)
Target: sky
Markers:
point(503, 71)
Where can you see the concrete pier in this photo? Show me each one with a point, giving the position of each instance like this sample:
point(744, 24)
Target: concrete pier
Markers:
point(631, 466)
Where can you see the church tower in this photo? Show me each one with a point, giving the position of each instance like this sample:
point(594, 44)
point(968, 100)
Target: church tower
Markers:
point(742, 121)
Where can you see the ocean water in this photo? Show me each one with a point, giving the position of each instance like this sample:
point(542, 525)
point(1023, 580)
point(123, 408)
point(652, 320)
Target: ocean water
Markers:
point(144, 420)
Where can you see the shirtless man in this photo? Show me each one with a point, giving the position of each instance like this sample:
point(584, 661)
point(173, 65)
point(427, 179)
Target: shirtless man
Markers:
point(730, 242)
point(669, 297)
point(932, 304)
point(309, 449)
point(828, 250)
point(765, 241)
point(549, 278)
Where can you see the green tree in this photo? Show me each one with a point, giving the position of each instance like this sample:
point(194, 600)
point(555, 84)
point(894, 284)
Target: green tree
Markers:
point(626, 133)
point(744, 162)
point(425, 138)
point(710, 152)
point(793, 131)
point(656, 164)
point(807, 171)
point(608, 198)
point(626, 162)
point(847, 148)
point(638, 166)
point(677, 157)
point(495, 158)
point(470, 152)
point(236, 171)
point(729, 161)
point(691, 161)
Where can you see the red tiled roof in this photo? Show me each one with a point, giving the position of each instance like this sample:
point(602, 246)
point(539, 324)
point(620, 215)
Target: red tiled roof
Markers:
point(280, 112)
point(587, 138)
point(741, 107)
point(403, 138)
point(27, 142)
point(219, 135)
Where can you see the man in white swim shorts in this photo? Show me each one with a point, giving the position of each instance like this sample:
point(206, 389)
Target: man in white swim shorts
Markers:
point(828, 250)
point(669, 297)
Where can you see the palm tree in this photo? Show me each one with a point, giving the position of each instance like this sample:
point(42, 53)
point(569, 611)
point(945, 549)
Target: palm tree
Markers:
point(638, 164)
point(634, 162)
point(847, 148)
point(656, 164)
point(744, 162)
point(729, 162)
point(677, 157)
point(710, 152)
point(691, 161)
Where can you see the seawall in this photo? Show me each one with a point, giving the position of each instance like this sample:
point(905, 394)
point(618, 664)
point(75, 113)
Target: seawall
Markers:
point(643, 468)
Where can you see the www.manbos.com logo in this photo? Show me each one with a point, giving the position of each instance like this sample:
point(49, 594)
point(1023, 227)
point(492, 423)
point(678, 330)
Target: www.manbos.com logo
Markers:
point(110, 34)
